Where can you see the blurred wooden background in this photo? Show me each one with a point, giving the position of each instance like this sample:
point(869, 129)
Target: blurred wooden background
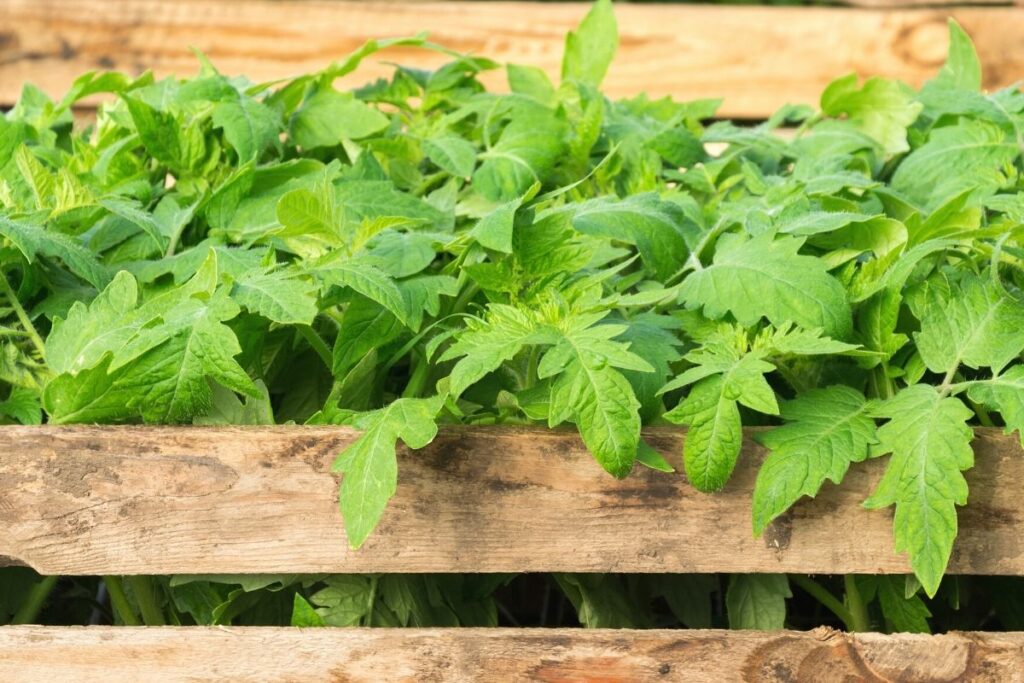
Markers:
point(756, 57)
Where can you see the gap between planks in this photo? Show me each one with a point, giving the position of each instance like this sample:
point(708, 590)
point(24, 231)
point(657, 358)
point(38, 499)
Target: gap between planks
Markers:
point(208, 500)
point(757, 58)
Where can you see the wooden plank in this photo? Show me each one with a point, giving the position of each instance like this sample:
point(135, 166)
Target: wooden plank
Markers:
point(110, 654)
point(904, 4)
point(757, 58)
point(174, 500)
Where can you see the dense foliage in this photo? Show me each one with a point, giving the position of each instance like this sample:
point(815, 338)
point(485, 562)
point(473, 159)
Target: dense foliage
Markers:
point(420, 251)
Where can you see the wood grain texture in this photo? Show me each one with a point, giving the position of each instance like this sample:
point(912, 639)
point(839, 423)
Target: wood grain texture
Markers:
point(156, 655)
point(172, 500)
point(757, 58)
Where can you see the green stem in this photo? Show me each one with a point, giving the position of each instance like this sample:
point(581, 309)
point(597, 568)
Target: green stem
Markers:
point(825, 597)
point(26, 322)
point(467, 294)
point(858, 608)
point(33, 605)
point(172, 245)
point(983, 417)
point(881, 384)
point(418, 378)
point(374, 580)
point(318, 344)
point(142, 586)
point(946, 388)
point(531, 368)
point(119, 601)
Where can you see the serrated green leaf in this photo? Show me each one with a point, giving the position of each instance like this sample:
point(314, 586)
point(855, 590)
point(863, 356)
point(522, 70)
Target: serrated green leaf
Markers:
point(789, 287)
point(883, 109)
point(930, 444)
point(278, 296)
point(902, 614)
point(329, 116)
point(757, 601)
point(34, 241)
point(969, 155)
point(714, 437)
point(370, 465)
point(1004, 393)
point(451, 154)
point(825, 431)
point(977, 325)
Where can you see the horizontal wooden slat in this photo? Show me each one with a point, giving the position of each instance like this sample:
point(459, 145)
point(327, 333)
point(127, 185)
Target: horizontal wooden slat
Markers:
point(110, 654)
point(173, 500)
point(757, 58)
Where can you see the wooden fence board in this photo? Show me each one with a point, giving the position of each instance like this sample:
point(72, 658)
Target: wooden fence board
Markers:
point(29, 654)
point(757, 58)
point(173, 500)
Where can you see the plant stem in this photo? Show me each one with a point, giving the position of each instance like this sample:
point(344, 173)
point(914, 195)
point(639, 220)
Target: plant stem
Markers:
point(33, 605)
point(468, 292)
point(142, 586)
point(825, 597)
point(418, 377)
point(531, 368)
point(858, 608)
point(119, 601)
point(983, 417)
point(374, 580)
point(172, 245)
point(26, 322)
point(318, 344)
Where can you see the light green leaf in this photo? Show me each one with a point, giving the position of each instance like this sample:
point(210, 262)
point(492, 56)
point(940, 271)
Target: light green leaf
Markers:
point(605, 410)
point(249, 126)
point(34, 241)
point(975, 324)
point(485, 344)
point(768, 278)
point(370, 463)
point(1004, 393)
point(962, 70)
point(494, 231)
point(714, 437)
point(309, 213)
point(303, 614)
point(363, 277)
point(80, 341)
point(329, 116)
point(659, 229)
point(825, 431)
point(969, 155)
point(930, 444)
point(882, 109)
point(532, 82)
point(589, 49)
point(527, 151)
point(23, 406)
point(278, 296)
point(452, 154)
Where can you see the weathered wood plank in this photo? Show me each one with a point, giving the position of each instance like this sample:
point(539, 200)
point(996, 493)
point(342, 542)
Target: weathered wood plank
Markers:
point(757, 58)
point(171, 500)
point(103, 654)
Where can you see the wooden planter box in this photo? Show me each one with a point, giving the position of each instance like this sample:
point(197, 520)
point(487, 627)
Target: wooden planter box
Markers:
point(159, 500)
point(95, 500)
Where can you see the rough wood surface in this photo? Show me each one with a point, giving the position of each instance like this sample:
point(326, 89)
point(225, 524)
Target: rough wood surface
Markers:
point(29, 654)
point(757, 58)
point(171, 500)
